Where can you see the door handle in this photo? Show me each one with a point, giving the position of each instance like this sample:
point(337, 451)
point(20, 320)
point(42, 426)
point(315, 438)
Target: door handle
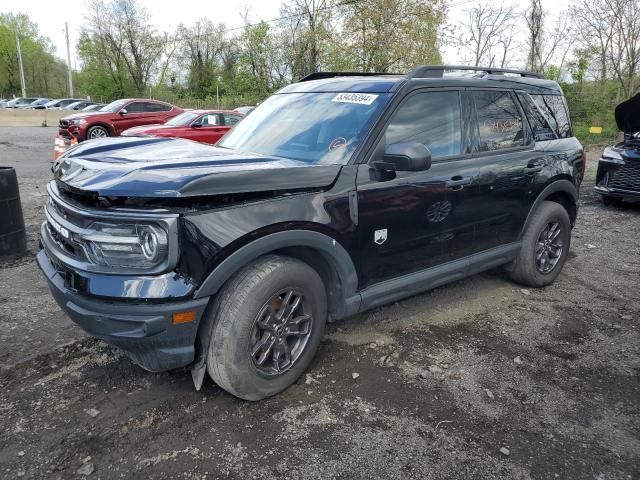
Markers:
point(458, 182)
point(531, 169)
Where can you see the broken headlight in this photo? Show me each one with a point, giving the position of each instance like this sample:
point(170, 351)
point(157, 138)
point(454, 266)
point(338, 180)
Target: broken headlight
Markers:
point(138, 246)
point(612, 156)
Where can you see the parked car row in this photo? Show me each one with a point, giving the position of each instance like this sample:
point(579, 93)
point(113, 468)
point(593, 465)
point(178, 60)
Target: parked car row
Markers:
point(47, 103)
point(138, 117)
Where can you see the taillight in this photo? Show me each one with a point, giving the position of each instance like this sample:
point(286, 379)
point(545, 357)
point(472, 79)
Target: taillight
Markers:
point(584, 164)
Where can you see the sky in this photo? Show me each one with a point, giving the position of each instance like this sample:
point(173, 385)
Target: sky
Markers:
point(51, 16)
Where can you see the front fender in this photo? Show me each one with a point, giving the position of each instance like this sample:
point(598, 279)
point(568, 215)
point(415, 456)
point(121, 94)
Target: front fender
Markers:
point(331, 250)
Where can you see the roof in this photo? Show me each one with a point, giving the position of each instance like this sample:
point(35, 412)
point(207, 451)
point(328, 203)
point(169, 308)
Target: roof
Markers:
point(431, 76)
point(201, 111)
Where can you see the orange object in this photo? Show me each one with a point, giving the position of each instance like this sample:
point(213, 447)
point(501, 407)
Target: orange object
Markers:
point(61, 144)
point(184, 317)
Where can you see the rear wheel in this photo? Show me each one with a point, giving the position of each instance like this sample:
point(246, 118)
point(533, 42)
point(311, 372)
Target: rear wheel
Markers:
point(545, 246)
point(97, 132)
point(269, 320)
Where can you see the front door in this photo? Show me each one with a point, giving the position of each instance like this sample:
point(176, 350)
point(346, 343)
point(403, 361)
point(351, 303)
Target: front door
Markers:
point(417, 220)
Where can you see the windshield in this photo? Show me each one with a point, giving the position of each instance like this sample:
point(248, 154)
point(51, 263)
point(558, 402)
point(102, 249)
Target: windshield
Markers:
point(319, 128)
point(183, 119)
point(113, 107)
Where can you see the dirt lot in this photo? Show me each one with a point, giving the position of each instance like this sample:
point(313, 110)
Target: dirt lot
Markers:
point(446, 379)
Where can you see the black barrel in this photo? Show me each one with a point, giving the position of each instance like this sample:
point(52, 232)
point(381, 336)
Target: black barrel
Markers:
point(13, 238)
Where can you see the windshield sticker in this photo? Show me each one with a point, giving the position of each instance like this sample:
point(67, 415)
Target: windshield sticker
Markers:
point(339, 142)
point(358, 98)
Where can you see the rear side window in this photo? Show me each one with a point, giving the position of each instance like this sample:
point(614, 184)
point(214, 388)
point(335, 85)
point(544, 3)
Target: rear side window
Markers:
point(538, 122)
point(431, 118)
point(159, 107)
point(231, 119)
point(555, 110)
point(499, 121)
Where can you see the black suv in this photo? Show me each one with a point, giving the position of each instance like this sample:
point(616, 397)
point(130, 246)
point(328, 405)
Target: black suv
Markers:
point(618, 175)
point(340, 193)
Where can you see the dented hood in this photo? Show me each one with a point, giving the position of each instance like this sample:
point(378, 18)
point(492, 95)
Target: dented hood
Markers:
point(171, 167)
point(628, 115)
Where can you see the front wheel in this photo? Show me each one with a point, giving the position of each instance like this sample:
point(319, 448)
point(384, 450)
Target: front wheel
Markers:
point(268, 322)
point(97, 132)
point(545, 245)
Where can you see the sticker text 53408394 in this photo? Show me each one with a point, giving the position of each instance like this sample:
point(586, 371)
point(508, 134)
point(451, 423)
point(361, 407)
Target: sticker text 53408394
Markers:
point(359, 98)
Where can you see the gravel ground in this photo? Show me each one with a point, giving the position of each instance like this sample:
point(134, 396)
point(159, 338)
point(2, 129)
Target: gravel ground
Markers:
point(480, 379)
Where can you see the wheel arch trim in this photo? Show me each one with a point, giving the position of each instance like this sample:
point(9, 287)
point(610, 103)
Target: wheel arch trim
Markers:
point(559, 186)
point(331, 250)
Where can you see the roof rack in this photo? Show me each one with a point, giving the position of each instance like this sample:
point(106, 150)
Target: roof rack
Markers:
point(321, 75)
point(437, 71)
point(422, 71)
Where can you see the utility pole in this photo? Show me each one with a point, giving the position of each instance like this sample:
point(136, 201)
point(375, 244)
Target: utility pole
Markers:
point(24, 89)
point(66, 31)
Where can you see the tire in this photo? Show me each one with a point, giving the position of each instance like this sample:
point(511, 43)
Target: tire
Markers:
point(256, 293)
point(526, 268)
point(608, 200)
point(97, 131)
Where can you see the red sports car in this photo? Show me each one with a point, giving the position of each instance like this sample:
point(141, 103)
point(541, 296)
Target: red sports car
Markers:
point(206, 126)
point(111, 120)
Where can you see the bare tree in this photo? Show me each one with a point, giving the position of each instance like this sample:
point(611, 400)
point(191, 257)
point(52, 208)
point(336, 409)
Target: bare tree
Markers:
point(547, 48)
point(609, 33)
point(488, 34)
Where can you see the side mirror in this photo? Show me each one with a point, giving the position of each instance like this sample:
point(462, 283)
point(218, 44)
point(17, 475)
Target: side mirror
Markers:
point(196, 125)
point(122, 112)
point(405, 157)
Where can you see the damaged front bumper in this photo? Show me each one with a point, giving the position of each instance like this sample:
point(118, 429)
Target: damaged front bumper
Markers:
point(145, 331)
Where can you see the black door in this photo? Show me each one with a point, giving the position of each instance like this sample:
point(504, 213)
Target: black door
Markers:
point(510, 167)
point(416, 220)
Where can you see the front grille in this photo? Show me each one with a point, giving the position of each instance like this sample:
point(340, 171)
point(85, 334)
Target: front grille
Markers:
point(626, 177)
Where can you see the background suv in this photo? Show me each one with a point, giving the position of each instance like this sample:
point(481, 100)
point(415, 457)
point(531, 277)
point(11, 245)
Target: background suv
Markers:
point(116, 117)
point(339, 193)
point(618, 175)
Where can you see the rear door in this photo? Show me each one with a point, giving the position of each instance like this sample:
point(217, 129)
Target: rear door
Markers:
point(511, 170)
point(416, 220)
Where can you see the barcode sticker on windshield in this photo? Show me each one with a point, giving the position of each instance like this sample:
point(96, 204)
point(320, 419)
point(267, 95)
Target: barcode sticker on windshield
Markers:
point(359, 98)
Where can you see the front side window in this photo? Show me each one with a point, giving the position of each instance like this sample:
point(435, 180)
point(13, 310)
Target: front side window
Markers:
point(499, 121)
point(555, 110)
point(430, 118)
point(135, 107)
point(210, 120)
point(316, 128)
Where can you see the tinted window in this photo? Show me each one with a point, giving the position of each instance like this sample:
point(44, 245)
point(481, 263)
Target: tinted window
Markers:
point(231, 119)
point(555, 111)
point(537, 121)
point(136, 107)
point(157, 107)
point(499, 121)
point(210, 119)
point(430, 118)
